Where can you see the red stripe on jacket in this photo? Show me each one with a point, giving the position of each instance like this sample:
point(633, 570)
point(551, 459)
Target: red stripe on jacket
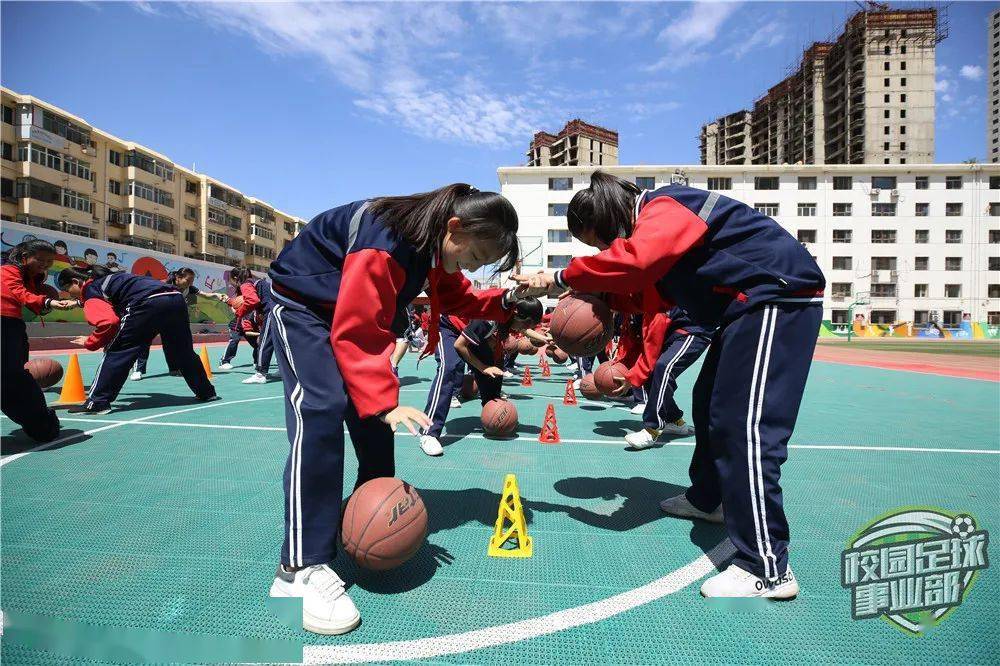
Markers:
point(654, 332)
point(16, 293)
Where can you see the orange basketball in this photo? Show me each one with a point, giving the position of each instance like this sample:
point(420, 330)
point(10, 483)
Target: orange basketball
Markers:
point(45, 371)
point(581, 325)
point(510, 346)
point(588, 389)
point(605, 376)
point(499, 417)
point(557, 355)
point(525, 347)
point(384, 524)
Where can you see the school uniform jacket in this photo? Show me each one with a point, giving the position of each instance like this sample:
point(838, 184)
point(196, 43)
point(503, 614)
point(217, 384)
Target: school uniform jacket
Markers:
point(106, 299)
point(351, 265)
point(16, 291)
point(247, 309)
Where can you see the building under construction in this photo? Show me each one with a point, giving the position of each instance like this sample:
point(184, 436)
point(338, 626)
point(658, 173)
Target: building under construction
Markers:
point(865, 98)
point(578, 144)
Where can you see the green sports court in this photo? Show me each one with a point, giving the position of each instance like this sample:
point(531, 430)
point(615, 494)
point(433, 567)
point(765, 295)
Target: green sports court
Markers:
point(153, 534)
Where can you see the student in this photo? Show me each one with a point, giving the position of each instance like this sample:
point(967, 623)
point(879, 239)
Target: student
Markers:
point(235, 335)
point(446, 386)
point(252, 305)
point(22, 285)
point(127, 311)
point(729, 266)
point(337, 287)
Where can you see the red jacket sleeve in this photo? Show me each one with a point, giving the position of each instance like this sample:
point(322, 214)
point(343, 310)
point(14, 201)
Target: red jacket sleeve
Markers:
point(361, 335)
point(102, 317)
point(250, 300)
point(664, 231)
point(15, 289)
point(654, 331)
point(456, 296)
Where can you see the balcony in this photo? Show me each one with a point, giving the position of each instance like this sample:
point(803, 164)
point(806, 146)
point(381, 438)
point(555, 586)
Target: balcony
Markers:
point(52, 211)
point(218, 203)
point(30, 169)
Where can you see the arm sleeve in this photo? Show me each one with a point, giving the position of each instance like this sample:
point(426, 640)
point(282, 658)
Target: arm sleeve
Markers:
point(475, 332)
point(13, 284)
point(654, 331)
point(102, 317)
point(665, 230)
point(250, 299)
point(456, 295)
point(361, 336)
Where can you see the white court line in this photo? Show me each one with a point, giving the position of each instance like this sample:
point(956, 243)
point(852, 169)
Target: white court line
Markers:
point(513, 632)
point(473, 435)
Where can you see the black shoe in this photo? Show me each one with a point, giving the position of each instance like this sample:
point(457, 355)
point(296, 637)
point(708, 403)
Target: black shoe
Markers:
point(90, 409)
point(208, 398)
point(175, 373)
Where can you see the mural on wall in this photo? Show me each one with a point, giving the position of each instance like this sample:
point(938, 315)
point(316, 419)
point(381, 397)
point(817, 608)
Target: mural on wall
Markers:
point(82, 252)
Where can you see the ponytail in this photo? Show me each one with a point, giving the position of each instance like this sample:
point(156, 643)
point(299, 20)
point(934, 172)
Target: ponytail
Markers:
point(606, 208)
point(240, 274)
point(67, 275)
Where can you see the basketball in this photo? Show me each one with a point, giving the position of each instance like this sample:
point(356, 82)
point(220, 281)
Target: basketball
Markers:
point(469, 387)
point(557, 355)
point(525, 347)
point(499, 417)
point(588, 389)
point(510, 346)
point(605, 376)
point(581, 325)
point(45, 371)
point(384, 524)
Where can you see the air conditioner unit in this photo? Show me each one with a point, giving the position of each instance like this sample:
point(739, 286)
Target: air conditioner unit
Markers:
point(894, 193)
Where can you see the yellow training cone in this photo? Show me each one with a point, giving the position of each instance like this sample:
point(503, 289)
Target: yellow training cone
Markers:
point(517, 531)
point(205, 362)
point(72, 389)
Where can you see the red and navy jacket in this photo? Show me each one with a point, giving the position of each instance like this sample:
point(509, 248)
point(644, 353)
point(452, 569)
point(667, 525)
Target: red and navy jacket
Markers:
point(17, 291)
point(107, 299)
point(714, 256)
point(249, 311)
point(350, 265)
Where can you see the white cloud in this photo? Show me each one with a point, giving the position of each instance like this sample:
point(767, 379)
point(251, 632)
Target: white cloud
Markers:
point(770, 31)
point(642, 110)
point(699, 25)
point(972, 72)
point(942, 85)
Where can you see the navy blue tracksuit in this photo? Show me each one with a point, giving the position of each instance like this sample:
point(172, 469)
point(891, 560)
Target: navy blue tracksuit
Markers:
point(684, 343)
point(141, 363)
point(129, 311)
point(263, 347)
point(729, 266)
point(235, 335)
point(484, 343)
point(447, 381)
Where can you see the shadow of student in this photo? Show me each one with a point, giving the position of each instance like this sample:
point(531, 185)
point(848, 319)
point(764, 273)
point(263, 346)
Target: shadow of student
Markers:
point(614, 428)
point(126, 403)
point(18, 442)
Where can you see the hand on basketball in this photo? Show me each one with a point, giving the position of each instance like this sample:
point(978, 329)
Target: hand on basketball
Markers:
point(622, 387)
point(494, 372)
point(410, 417)
point(539, 284)
point(79, 341)
point(67, 304)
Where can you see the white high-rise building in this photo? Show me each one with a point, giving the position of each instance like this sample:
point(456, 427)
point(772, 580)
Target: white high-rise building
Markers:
point(993, 89)
point(922, 242)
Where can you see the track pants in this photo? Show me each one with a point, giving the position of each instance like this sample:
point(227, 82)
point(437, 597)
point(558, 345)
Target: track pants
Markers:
point(679, 352)
point(746, 401)
point(316, 409)
point(489, 387)
point(447, 382)
point(265, 347)
point(167, 314)
point(143, 361)
point(21, 399)
point(234, 343)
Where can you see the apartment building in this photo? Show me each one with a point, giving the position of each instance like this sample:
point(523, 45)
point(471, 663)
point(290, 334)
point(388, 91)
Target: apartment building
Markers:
point(914, 243)
point(865, 98)
point(993, 88)
point(578, 144)
point(61, 173)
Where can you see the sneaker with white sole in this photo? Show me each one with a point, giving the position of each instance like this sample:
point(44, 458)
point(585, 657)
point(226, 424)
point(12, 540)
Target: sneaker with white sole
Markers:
point(256, 378)
point(737, 582)
point(225, 366)
point(678, 428)
point(572, 367)
point(431, 446)
point(680, 507)
point(576, 384)
point(455, 402)
point(135, 376)
point(507, 374)
point(639, 408)
point(90, 409)
point(326, 608)
point(642, 439)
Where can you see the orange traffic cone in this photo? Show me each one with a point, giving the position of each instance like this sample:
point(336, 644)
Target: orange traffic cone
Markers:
point(526, 380)
point(550, 430)
point(205, 362)
point(546, 369)
point(570, 397)
point(72, 389)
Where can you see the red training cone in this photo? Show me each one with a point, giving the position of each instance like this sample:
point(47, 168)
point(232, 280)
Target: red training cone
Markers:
point(550, 429)
point(526, 380)
point(546, 369)
point(570, 397)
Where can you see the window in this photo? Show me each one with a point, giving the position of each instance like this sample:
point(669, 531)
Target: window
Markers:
point(560, 183)
point(765, 182)
point(995, 208)
point(993, 291)
point(902, 129)
point(921, 236)
point(558, 209)
point(921, 316)
point(883, 263)
point(883, 209)
point(902, 65)
point(838, 316)
point(882, 316)
point(807, 235)
point(884, 182)
point(8, 151)
point(114, 186)
point(77, 201)
point(995, 181)
point(190, 187)
point(883, 235)
point(115, 157)
point(843, 182)
point(883, 290)
point(841, 235)
point(886, 82)
point(902, 49)
point(920, 291)
point(841, 289)
point(953, 291)
point(993, 317)
point(645, 182)
point(885, 146)
point(953, 209)
point(953, 182)
point(922, 182)
point(559, 260)
point(922, 209)
point(885, 114)
point(770, 209)
point(921, 263)
point(807, 210)
point(902, 82)
point(150, 165)
point(902, 98)
point(720, 183)
point(115, 217)
point(189, 235)
point(953, 263)
point(8, 114)
point(190, 213)
point(902, 114)
point(841, 210)
point(885, 65)
point(559, 236)
point(807, 182)
point(994, 264)
point(75, 167)
point(995, 235)
point(6, 188)
point(885, 130)
point(843, 263)
point(953, 236)
point(885, 98)
point(952, 318)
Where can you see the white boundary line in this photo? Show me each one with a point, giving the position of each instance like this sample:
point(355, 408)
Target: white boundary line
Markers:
point(436, 646)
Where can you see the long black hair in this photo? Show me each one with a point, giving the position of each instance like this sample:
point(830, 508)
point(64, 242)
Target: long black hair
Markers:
point(29, 248)
point(606, 207)
point(422, 218)
point(67, 275)
point(528, 309)
point(240, 274)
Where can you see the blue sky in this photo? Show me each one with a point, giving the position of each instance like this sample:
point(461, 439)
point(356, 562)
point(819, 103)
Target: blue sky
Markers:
point(311, 105)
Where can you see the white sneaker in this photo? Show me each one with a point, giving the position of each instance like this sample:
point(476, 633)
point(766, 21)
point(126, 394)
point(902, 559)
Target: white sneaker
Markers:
point(507, 374)
point(326, 608)
point(678, 427)
point(737, 582)
point(642, 439)
point(225, 366)
point(572, 367)
point(256, 378)
point(431, 446)
point(503, 395)
point(455, 402)
point(638, 409)
point(136, 376)
point(576, 384)
point(680, 506)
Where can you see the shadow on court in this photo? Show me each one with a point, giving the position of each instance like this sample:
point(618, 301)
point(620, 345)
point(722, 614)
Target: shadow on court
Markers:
point(18, 442)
